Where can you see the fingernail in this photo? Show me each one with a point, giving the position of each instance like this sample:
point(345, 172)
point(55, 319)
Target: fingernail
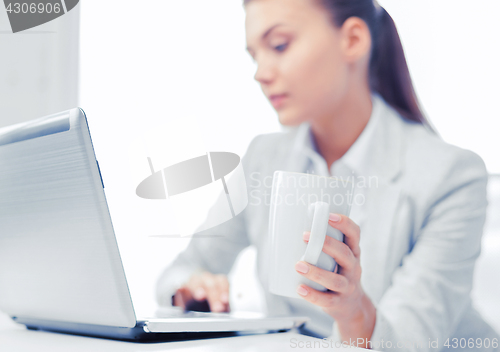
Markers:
point(199, 293)
point(334, 217)
point(301, 267)
point(218, 307)
point(306, 236)
point(301, 291)
point(224, 297)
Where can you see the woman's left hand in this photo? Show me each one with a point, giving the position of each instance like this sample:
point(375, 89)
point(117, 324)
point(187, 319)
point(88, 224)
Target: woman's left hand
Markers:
point(346, 301)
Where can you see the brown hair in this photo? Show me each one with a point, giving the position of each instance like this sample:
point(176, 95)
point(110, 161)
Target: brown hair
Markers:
point(389, 74)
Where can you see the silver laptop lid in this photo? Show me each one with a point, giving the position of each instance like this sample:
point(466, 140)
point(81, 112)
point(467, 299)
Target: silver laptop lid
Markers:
point(59, 259)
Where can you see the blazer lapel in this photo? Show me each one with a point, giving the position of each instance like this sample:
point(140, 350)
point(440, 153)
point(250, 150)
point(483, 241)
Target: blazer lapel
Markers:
point(382, 200)
point(376, 236)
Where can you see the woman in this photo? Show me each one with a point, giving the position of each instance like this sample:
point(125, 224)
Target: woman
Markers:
point(335, 72)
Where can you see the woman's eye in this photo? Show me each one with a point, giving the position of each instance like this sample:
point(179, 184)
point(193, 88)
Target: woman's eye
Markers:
point(281, 47)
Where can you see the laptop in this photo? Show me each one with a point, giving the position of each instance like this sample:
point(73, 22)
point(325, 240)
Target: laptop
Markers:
point(60, 266)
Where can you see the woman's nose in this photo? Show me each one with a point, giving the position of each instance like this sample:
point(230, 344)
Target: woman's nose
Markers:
point(264, 74)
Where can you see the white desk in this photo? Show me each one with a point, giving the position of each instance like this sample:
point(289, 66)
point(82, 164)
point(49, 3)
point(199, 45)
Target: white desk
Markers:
point(16, 338)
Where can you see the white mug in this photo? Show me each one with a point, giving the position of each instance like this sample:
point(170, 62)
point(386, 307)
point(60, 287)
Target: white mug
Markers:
point(302, 202)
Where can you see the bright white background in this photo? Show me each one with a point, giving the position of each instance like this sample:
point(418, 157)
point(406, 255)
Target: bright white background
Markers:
point(453, 54)
point(143, 63)
point(162, 61)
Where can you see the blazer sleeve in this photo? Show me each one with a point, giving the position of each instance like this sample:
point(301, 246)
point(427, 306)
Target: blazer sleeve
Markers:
point(215, 251)
point(430, 291)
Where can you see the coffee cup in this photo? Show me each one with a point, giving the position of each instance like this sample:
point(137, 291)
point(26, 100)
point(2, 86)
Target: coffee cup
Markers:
point(302, 202)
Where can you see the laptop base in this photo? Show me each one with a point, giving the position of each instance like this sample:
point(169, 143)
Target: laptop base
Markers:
point(135, 334)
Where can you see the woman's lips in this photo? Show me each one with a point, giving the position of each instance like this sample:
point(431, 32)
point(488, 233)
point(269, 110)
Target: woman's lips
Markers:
point(277, 100)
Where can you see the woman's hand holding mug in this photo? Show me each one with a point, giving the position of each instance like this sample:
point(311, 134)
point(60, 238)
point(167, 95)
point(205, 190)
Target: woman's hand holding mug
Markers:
point(323, 268)
point(213, 288)
point(345, 301)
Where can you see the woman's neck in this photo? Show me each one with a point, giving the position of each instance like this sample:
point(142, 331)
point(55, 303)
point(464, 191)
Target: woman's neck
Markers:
point(336, 132)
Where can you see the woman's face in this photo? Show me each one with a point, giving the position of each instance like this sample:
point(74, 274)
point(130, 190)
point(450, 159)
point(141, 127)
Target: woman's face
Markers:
point(298, 52)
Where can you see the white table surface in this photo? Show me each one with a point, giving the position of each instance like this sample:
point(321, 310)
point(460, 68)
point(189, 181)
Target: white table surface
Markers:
point(16, 338)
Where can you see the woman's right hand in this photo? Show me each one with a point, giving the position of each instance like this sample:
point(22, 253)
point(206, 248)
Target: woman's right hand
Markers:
point(205, 286)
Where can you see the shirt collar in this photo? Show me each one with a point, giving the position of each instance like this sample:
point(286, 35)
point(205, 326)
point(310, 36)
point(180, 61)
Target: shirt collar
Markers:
point(356, 157)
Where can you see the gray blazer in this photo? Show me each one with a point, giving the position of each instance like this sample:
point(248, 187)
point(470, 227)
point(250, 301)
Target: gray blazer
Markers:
point(419, 242)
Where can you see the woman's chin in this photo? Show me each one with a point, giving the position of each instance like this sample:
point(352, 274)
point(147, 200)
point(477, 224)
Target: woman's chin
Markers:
point(290, 120)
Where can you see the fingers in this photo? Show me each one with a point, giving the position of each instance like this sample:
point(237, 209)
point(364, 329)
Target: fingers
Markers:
point(343, 282)
point(213, 288)
point(214, 292)
point(319, 298)
point(182, 297)
point(349, 228)
point(332, 281)
point(337, 250)
point(223, 285)
point(197, 288)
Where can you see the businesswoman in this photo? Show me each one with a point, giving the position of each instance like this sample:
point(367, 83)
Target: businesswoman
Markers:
point(336, 74)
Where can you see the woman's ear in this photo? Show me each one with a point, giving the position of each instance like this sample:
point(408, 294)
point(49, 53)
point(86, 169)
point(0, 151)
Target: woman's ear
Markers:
point(355, 39)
